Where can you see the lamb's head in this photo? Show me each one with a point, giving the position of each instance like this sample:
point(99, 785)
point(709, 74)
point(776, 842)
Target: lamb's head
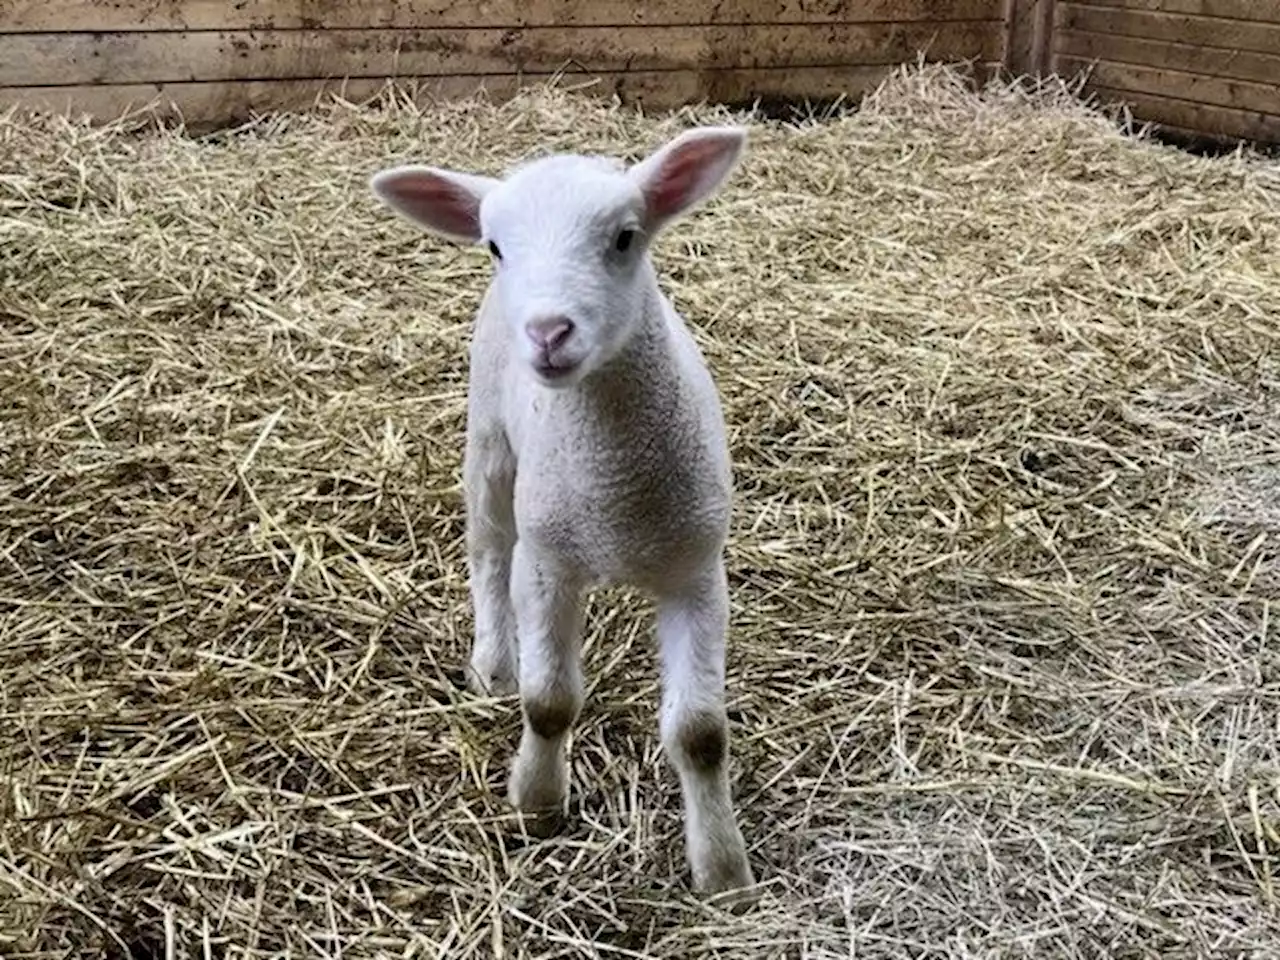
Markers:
point(569, 236)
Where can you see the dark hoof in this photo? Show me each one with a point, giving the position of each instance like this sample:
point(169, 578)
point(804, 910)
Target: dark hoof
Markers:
point(539, 824)
point(737, 901)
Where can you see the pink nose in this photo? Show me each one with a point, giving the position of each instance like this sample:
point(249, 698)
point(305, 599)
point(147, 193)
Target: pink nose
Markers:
point(548, 333)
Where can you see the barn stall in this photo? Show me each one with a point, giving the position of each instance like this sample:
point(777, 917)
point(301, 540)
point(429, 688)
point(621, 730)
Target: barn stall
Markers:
point(999, 377)
point(1199, 68)
point(216, 61)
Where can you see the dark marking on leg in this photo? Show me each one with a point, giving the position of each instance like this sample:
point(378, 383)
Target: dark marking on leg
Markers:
point(704, 740)
point(549, 717)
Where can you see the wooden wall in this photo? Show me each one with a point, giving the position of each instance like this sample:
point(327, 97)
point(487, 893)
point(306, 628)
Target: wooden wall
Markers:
point(219, 60)
point(1196, 67)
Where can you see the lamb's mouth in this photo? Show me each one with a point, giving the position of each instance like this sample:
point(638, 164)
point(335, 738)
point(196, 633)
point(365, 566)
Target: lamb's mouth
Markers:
point(555, 372)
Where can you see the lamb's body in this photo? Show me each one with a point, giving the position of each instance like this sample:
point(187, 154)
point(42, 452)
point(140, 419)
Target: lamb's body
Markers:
point(596, 454)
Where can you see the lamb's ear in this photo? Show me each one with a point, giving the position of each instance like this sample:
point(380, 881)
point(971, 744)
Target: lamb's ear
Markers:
point(686, 171)
point(443, 201)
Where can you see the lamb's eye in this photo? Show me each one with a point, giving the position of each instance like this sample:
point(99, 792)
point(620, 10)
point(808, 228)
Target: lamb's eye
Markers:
point(623, 243)
point(493, 248)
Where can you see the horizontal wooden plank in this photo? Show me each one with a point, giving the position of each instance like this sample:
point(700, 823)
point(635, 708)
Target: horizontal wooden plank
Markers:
point(41, 59)
point(1236, 94)
point(1196, 118)
point(217, 104)
point(1264, 11)
point(1170, 27)
point(1210, 61)
point(80, 15)
point(1171, 132)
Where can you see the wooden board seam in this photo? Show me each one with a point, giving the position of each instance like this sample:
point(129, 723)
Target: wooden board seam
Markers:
point(1064, 32)
point(1257, 12)
point(211, 105)
point(1166, 14)
point(526, 27)
point(115, 57)
point(564, 72)
point(130, 15)
point(1185, 73)
point(1121, 93)
point(1062, 43)
point(1262, 86)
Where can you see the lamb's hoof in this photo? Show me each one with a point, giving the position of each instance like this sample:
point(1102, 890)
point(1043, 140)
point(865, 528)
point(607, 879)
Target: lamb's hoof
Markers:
point(730, 887)
point(736, 900)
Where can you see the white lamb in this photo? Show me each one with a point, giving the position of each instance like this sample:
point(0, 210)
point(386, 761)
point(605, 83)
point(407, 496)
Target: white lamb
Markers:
point(595, 454)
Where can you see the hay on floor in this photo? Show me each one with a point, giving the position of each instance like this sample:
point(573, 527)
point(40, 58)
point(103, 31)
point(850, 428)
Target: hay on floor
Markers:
point(1002, 386)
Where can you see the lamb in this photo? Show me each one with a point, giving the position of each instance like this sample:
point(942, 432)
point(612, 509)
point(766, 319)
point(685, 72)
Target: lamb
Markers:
point(596, 454)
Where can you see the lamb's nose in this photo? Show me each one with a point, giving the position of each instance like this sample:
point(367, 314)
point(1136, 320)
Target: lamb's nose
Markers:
point(549, 332)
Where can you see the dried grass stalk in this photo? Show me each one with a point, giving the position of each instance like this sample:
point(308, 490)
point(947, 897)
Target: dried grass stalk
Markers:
point(1001, 381)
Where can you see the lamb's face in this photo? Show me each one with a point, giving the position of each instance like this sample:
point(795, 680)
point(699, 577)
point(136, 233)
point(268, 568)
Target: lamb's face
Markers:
point(568, 247)
point(569, 236)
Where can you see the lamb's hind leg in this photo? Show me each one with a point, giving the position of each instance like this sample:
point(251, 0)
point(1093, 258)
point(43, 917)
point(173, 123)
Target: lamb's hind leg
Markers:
point(691, 630)
point(548, 615)
point(489, 480)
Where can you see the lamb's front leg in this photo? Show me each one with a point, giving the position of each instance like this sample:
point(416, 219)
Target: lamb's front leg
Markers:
point(548, 627)
point(691, 627)
point(489, 480)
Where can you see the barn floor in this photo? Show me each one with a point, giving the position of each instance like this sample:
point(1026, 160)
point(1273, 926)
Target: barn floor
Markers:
point(1002, 387)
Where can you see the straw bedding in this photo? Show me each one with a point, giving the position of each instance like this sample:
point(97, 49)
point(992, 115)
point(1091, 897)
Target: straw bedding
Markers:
point(1001, 381)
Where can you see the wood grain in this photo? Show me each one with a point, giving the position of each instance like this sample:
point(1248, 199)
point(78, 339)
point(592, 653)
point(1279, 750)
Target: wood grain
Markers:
point(109, 15)
point(44, 59)
point(216, 104)
point(1028, 30)
point(1171, 27)
point(1263, 98)
point(1210, 61)
point(1260, 11)
point(1194, 119)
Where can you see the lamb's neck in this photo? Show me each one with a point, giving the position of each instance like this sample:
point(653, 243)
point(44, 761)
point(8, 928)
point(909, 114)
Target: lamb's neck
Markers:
point(641, 380)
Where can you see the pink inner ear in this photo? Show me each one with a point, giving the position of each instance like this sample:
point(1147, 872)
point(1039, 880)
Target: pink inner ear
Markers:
point(677, 180)
point(439, 202)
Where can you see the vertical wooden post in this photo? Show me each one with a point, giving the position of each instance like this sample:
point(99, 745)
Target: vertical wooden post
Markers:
point(1028, 37)
point(1042, 45)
